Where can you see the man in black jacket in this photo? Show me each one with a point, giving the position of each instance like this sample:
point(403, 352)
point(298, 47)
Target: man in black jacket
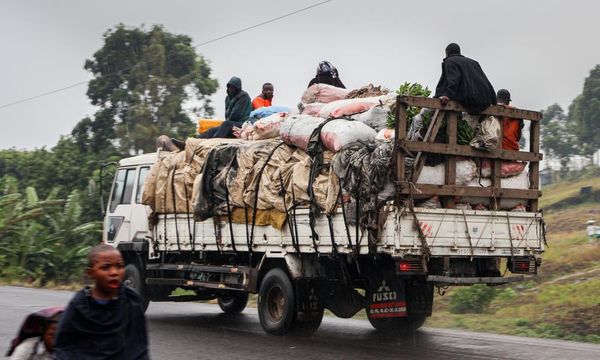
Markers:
point(463, 80)
point(238, 106)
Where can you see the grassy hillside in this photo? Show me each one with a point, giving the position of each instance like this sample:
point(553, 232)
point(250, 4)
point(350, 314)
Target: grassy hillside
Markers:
point(563, 301)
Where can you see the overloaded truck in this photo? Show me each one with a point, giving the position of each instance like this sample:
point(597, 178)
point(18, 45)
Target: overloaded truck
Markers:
point(226, 218)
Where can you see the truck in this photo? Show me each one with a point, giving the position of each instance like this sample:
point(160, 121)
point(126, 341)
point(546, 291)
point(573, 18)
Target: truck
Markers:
point(322, 262)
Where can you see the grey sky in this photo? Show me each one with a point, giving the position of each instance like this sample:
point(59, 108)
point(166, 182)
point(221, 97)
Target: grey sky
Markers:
point(540, 50)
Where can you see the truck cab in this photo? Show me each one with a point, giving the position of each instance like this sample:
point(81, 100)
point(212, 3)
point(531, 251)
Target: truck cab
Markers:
point(126, 219)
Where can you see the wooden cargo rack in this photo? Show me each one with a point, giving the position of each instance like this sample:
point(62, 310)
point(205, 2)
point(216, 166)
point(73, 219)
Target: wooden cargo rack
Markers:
point(451, 150)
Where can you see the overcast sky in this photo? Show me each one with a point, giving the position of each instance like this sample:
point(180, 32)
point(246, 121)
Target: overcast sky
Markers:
point(540, 50)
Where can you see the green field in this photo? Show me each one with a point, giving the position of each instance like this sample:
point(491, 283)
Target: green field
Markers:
point(563, 301)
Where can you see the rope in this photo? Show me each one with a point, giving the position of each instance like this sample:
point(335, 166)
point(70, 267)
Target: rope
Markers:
point(257, 187)
point(175, 207)
point(287, 215)
point(344, 215)
point(192, 238)
point(228, 206)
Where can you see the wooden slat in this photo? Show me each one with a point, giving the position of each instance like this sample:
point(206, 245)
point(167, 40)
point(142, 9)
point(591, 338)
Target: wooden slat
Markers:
point(467, 151)
point(496, 110)
point(401, 120)
point(443, 190)
point(434, 127)
point(534, 168)
point(450, 165)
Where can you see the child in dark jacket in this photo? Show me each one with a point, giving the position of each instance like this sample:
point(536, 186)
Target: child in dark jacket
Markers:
point(107, 320)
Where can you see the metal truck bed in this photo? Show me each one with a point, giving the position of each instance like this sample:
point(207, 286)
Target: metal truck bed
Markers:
point(448, 232)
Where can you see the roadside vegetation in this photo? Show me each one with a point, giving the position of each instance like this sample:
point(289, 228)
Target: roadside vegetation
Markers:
point(42, 241)
point(563, 300)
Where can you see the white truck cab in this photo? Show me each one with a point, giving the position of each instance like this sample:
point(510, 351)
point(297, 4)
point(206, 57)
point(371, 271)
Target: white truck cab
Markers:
point(126, 218)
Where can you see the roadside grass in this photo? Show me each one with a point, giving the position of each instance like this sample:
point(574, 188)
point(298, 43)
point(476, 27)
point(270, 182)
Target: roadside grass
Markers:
point(553, 194)
point(563, 311)
point(563, 300)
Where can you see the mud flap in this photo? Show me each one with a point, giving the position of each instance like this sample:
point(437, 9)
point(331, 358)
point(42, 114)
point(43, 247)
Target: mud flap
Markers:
point(309, 297)
point(419, 297)
point(387, 298)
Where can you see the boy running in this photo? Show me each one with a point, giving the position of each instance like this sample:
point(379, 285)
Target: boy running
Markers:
point(107, 320)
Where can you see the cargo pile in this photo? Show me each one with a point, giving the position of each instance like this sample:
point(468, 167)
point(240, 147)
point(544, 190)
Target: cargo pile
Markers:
point(335, 149)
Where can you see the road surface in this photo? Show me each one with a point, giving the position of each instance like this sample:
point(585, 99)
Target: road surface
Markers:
point(201, 331)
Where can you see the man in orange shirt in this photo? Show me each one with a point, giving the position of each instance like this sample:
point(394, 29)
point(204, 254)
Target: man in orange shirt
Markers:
point(511, 128)
point(265, 98)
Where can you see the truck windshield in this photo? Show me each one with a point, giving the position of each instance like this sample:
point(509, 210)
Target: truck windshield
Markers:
point(123, 188)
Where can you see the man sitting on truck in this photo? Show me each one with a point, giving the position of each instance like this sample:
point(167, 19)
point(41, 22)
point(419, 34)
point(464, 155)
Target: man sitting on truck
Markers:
point(463, 80)
point(265, 98)
point(237, 109)
point(511, 128)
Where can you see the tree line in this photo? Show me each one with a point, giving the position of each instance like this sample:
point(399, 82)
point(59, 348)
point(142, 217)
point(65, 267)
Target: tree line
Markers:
point(49, 198)
point(575, 132)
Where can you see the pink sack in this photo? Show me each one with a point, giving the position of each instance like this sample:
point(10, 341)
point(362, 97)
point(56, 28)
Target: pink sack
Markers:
point(351, 109)
point(509, 168)
point(268, 127)
point(323, 93)
point(311, 109)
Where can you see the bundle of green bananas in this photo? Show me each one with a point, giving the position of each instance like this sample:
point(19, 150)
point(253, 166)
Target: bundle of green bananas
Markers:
point(411, 89)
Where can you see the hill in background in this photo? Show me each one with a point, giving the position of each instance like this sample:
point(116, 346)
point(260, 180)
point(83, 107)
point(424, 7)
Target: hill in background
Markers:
point(563, 301)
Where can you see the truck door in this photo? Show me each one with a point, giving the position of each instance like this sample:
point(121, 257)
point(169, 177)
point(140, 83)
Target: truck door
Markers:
point(138, 228)
point(118, 216)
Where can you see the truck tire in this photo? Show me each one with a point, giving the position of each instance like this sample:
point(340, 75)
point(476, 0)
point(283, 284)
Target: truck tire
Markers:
point(404, 325)
point(276, 303)
point(233, 303)
point(133, 279)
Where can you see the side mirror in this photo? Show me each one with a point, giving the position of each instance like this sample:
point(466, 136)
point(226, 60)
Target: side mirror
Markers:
point(104, 173)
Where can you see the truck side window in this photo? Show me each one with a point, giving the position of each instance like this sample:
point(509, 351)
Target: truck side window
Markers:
point(140, 183)
point(123, 188)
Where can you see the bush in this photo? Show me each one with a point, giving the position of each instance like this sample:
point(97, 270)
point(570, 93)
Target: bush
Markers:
point(474, 299)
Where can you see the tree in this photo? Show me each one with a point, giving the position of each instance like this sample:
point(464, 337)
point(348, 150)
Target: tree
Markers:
point(141, 79)
point(558, 139)
point(584, 113)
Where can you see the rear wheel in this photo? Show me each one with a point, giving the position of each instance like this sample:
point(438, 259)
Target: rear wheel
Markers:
point(233, 303)
point(133, 279)
point(403, 325)
point(278, 307)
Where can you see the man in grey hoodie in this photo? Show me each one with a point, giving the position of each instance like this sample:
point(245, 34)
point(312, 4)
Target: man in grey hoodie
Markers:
point(238, 106)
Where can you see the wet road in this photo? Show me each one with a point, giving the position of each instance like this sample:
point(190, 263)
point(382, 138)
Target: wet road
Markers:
point(201, 331)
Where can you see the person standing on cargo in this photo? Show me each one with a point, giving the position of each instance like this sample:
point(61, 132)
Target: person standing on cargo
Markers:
point(327, 74)
point(238, 106)
point(511, 128)
point(265, 98)
point(463, 80)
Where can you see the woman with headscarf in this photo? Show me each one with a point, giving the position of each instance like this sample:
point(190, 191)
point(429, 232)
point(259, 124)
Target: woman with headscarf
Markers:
point(327, 74)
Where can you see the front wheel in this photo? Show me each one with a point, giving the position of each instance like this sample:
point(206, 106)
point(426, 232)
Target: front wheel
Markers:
point(233, 303)
point(133, 279)
point(276, 303)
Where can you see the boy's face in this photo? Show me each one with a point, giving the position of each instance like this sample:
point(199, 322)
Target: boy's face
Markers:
point(108, 271)
point(267, 92)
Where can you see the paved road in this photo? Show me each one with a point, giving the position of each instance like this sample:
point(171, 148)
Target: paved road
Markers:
point(201, 331)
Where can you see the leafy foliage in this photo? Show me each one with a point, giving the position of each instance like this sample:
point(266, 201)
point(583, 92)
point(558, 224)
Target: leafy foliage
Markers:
point(557, 135)
point(584, 114)
point(473, 299)
point(141, 79)
point(411, 89)
point(42, 240)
